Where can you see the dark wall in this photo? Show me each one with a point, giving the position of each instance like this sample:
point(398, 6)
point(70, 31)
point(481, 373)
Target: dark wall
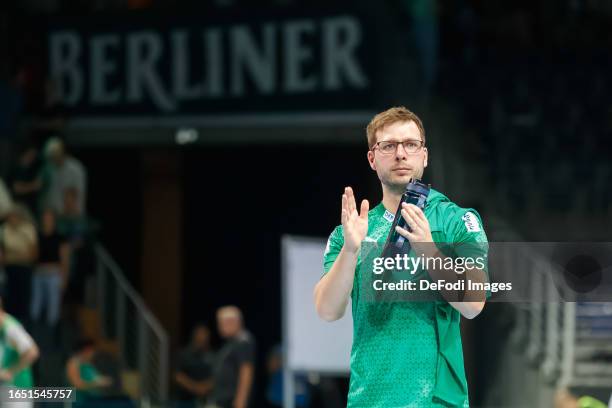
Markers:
point(239, 202)
point(114, 199)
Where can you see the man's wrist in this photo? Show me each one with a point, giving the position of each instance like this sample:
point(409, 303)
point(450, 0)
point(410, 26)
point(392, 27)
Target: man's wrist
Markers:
point(351, 251)
point(432, 251)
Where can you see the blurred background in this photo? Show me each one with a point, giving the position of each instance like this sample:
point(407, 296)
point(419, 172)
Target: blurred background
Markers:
point(174, 143)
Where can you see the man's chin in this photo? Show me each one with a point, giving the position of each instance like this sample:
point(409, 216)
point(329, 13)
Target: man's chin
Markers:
point(398, 184)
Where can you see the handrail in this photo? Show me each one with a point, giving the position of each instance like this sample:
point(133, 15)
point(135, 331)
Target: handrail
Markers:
point(152, 351)
point(130, 291)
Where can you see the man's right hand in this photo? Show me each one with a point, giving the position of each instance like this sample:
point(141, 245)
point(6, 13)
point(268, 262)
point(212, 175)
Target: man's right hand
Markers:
point(103, 381)
point(333, 290)
point(355, 225)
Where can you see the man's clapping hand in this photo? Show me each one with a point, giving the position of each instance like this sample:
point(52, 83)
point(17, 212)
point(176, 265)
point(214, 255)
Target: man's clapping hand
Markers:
point(354, 224)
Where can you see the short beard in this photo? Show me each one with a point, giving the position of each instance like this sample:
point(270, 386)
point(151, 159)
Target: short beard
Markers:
point(397, 188)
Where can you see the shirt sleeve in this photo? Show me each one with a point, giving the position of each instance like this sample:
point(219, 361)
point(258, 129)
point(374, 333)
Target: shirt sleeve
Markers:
point(470, 240)
point(335, 242)
point(31, 234)
point(17, 336)
point(246, 353)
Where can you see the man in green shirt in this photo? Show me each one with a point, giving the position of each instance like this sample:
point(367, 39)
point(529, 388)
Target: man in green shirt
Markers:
point(18, 352)
point(404, 354)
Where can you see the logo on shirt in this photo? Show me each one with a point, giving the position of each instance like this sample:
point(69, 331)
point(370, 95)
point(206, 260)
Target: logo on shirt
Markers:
point(388, 216)
point(471, 222)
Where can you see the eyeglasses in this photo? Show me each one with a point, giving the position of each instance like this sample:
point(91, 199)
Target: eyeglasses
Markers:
point(410, 146)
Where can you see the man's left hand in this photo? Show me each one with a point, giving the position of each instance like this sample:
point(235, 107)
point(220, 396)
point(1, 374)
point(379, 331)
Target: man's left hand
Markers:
point(6, 376)
point(238, 403)
point(421, 232)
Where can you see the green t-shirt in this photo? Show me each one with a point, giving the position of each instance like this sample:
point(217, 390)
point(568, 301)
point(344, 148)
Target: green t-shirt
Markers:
point(88, 374)
point(408, 354)
point(14, 340)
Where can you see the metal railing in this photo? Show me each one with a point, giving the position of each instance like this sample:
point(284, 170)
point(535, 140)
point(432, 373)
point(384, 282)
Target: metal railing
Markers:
point(142, 341)
point(567, 341)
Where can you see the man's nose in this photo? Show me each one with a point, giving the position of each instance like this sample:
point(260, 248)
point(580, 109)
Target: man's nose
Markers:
point(400, 152)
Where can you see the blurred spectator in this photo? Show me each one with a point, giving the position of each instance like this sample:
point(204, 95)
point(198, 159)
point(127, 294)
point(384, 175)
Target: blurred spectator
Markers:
point(51, 272)
point(6, 202)
point(18, 352)
point(79, 230)
point(74, 224)
point(194, 371)
point(108, 365)
point(582, 397)
point(84, 376)
point(274, 394)
point(19, 252)
point(235, 366)
point(62, 172)
point(24, 178)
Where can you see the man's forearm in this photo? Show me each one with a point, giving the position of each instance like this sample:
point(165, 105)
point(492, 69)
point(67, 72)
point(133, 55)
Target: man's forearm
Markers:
point(245, 380)
point(203, 387)
point(25, 360)
point(24, 187)
point(184, 381)
point(469, 302)
point(333, 290)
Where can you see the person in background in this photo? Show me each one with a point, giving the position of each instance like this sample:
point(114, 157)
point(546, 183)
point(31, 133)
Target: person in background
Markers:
point(194, 371)
point(80, 231)
point(274, 393)
point(62, 172)
point(19, 252)
point(18, 352)
point(24, 178)
point(235, 368)
point(51, 273)
point(72, 223)
point(582, 397)
point(83, 375)
point(6, 201)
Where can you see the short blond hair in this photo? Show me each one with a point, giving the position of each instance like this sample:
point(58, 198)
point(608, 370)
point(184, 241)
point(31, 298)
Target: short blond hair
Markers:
point(389, 117)
point(229, 312)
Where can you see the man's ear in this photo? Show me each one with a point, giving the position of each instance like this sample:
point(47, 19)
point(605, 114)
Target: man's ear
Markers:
point(371, 160)
point(426, 157)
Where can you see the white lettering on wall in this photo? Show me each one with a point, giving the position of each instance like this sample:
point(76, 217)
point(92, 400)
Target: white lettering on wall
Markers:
point(341, 36)
point(64, 52)
point(180, 68)
point(257, 60)
point(297, 53)
point(144, 50)
point(298, 56)
point(213, 63)
point(101, 67)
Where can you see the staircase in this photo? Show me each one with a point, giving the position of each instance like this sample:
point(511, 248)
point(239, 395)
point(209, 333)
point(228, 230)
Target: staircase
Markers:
point(129, 331)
